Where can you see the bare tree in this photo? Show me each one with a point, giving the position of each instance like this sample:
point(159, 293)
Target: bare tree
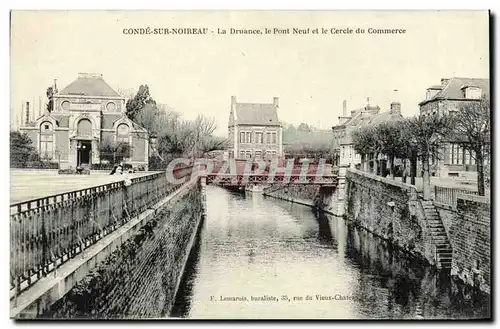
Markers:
point(472, 125)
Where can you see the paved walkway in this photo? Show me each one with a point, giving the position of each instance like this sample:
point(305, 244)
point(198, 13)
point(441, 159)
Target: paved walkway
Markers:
point(30, 184)
point(444, 182)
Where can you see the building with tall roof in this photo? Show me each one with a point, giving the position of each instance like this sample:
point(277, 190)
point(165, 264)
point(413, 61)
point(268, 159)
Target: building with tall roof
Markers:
point(343, 148)
point(84, 114)
point(445, 98)
point(254, 130)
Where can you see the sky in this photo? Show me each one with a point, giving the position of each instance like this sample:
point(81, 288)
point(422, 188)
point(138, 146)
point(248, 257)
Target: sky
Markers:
point(197, 74)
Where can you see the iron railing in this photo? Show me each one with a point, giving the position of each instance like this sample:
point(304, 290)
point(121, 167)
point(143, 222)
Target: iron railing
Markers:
point(46, 232)
point(448, 195)
point(250, 179)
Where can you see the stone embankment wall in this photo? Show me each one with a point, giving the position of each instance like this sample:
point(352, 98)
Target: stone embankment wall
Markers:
point(390, 210)
point(140, 278)
point(470, 237)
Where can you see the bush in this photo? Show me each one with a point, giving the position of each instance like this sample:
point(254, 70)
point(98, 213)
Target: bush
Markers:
point(101, 166)
point(35, 165)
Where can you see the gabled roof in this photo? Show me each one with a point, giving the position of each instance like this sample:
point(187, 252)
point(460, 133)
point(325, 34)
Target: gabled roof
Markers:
point(256, 114)
point(384, 116)
point(89, 85)
point(453, 89)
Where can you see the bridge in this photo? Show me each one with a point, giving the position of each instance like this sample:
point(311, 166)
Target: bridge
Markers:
point(242, 175)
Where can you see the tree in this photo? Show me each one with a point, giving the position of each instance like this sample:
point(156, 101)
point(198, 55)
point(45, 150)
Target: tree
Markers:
point(114, 152)
point(304, 127)
point(427, 134)
point(136, 104)
point(472, 128)
point(389, 137)
point(364, 142)
point(21, 149)
point(405, 149)
point(50, 104)
point(212, 143)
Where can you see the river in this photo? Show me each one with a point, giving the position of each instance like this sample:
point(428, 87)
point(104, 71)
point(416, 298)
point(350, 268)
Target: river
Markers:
point(260, 258)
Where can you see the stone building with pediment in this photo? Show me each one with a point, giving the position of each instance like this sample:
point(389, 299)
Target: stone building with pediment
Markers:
point(85, 114)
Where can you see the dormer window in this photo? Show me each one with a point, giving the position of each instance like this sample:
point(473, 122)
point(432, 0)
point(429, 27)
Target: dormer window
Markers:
point(471, 92)
point(432, 91)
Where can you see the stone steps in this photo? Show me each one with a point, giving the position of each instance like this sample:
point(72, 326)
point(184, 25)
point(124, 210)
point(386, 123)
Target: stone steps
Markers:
point(444, 252)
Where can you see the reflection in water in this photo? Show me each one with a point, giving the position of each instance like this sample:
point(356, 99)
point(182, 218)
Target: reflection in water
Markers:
point(254, 255)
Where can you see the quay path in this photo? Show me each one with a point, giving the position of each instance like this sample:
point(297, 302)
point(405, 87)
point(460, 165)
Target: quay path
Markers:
point(32, 184)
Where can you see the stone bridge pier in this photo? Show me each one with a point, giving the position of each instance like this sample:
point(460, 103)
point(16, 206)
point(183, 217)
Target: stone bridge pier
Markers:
point(331, 198)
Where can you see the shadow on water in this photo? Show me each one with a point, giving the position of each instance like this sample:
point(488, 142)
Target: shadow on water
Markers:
point(407, 285)
point(183, 298)
point(325, 235)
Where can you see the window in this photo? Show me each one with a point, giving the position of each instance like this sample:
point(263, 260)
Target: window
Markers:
point(460, 155)
point(258, 137)
point(268, 138)
point(249, 137)
point(122, 133)
point(472, 93)
point(274, 138)
point(249, 154)
point(46, 140)
point(258, 154)
point(274, 153)
point(242, 137)
point(242, 154)
point(84, 128)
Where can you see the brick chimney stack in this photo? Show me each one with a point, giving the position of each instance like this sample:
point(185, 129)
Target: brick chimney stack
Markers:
point(27, 113)
point(395, 105)
point(276, 102)
point(444, 82)
point(344, 108)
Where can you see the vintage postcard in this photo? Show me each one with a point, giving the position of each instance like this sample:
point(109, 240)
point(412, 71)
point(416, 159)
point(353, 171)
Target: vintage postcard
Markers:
point(250, 165)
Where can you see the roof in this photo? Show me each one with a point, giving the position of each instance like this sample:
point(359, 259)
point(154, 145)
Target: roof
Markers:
point(372, 119)
point(256, 114)
point(384, 116)
point(453, 89)
point(89, 85)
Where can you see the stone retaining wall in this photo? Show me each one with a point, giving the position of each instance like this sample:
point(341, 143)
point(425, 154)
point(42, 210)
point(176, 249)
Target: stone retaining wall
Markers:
point(471, 241)
point(140, 278)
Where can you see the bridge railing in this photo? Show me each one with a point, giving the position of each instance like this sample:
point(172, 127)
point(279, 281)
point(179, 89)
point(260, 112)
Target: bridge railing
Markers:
point(46, 232)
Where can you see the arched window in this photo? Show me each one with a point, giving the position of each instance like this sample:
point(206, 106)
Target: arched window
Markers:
point(122, 133)
point(84, 128)
point(46, 140)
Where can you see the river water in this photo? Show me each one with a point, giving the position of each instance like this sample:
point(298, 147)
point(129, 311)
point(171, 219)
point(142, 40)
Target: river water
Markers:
point(261, 258)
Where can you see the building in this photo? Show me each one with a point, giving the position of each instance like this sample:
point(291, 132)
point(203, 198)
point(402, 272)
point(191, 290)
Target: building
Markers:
point(254, 130)
point(343, 148)
point(85, 114)
point(445, 98)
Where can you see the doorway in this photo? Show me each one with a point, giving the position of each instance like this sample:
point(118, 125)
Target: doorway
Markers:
point(84, 153)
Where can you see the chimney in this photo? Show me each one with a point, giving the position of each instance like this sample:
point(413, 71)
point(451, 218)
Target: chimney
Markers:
point(233, 100)
point(353, 113)
point(395, 108)
point(27, 113)
point(276, 102)
point(344, 108)
point(55, 87)
point(395, 105)
point(444, 82)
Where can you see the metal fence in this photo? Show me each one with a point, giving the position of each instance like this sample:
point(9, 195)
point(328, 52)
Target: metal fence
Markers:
point(46, 232)
point(448, 195)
